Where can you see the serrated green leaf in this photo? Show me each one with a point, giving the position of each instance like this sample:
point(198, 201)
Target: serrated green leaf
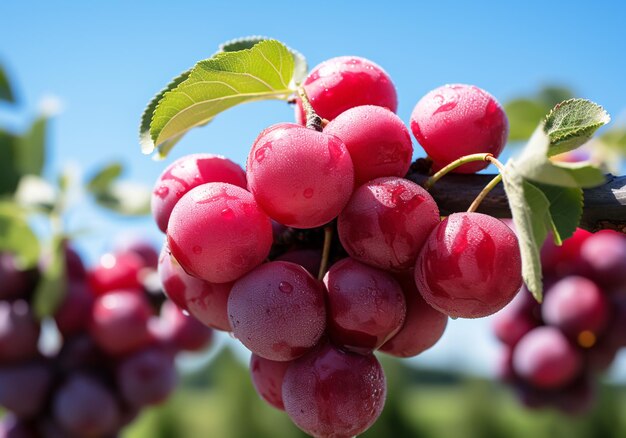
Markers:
point(300, 69)
point(530, 210)
point(145, 140)
point(52, 285)
point(6, 93)
point(524, 115)
point(9, 175)
point(533, 164)
point(572, 123)
point(103, 178)
point(566, 209)
point(30, 152)
point(16, 236)
point(125, 198)
point(219, 83)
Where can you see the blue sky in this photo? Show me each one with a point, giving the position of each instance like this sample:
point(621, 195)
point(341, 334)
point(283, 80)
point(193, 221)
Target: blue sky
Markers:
point(105, 60)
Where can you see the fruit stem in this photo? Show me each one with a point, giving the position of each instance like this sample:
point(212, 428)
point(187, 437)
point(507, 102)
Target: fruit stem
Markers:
point(453, 165)
point(313, 121)
point(328, 238)
point(494, 182)
point(484, 192)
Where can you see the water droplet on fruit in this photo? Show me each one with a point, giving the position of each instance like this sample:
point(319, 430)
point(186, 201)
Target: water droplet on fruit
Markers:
point(260, 154)
point(197, 249)
point(308, 193)
point(162, 192)
point(285, 287)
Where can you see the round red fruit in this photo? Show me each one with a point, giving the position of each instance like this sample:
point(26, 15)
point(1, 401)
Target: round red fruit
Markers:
point(470, 266)
point(456, 120)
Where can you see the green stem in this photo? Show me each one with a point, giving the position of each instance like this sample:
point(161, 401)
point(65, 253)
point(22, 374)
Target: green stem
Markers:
point(494, 182)
point(453, 165)
point(484, 192)
point(313, 121)
point(328, 238)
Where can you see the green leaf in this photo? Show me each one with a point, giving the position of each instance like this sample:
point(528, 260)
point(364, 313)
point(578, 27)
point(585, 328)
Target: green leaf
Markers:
point(52, 286)
point(103, 179)
point(551, 95)
point(524, 115)
point(300, 70)
point(214, 85)
point(145, 140)
point(125, 198)
point(614, 139)
point(533, 164)
point(16, 236)
point(572, 123)
point(6, 93)
point(9, 175)
point(531, 215)
point(566, 209)
point(30, 152)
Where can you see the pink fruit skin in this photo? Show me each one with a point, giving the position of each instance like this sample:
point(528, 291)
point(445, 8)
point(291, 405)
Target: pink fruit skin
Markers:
point(456, 120)
point(119, 322)
point(546, 359)
point(470, 266)
point(329, 393)
point(277, 311)
point(386, 222)
point(341, 83)
point(207, 302)
point(366, 306)
point(217, 232)
point(575, 305)
point(377, 140)
point(186, 173)
point(267, 377)
point(300, 177)
point(423, 325)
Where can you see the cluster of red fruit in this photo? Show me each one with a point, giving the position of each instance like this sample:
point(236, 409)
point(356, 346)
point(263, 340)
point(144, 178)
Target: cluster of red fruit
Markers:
point(554, 351)
point(394, 278)
point(116, 353)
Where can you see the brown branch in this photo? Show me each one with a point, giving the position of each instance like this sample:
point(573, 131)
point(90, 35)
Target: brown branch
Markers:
point(605, 206)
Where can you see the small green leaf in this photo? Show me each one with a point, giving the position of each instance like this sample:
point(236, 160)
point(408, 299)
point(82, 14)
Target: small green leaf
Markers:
point(533, 164)
point(566, 209)
point(524, 115)
point(145, 140)
point(125, 198)
point(6, 93)
point(531, 216)
point(214, 85)
point(31, 148)
point(52, 286)
point(9, 175)
point(300, 70)
point(572, 123)
point(16, 236)
point(103, 179)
